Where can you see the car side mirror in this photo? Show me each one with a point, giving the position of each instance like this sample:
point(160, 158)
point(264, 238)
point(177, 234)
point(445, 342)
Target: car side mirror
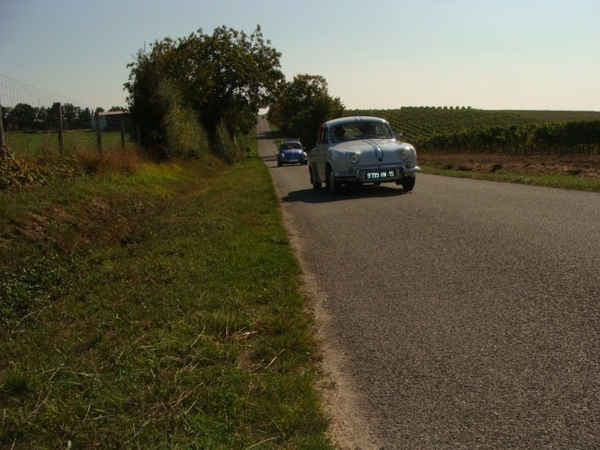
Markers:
point(398, 135)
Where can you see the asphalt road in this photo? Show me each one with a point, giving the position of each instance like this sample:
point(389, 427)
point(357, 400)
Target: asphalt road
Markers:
point(465, 314)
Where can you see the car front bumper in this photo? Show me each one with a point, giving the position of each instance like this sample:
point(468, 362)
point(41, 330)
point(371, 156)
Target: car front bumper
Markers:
point(377, 174)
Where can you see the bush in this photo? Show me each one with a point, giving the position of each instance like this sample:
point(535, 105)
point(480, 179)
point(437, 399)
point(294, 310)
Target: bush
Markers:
point(224, 146)
point(15, 173)
point(185, 136)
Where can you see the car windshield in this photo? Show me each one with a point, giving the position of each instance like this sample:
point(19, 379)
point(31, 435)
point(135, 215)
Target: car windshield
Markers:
point(360, 130)
point(290, 145)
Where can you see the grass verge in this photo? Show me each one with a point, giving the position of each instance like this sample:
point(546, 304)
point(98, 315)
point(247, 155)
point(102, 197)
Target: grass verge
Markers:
point(557, 171)
point(554, 181)
point(160, 309)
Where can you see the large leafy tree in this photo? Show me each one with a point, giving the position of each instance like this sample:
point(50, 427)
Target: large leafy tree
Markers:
point(303, 105)
point(223, 79)
point(22, 116)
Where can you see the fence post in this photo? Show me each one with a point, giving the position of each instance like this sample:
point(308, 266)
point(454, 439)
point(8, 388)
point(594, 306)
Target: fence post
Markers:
point(2, 141)
point(61, 136)
point(98, 133)
point(123, 132)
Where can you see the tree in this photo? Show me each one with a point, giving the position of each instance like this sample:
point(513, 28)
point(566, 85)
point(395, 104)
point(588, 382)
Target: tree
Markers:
point(239, 75)
point(224, 78)
point(22, 117)
point(85, 118)
point(302, 106)
point(70, 115)
point(148, 99)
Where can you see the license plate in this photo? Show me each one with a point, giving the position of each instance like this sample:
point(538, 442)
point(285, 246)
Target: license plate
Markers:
point(374, 175)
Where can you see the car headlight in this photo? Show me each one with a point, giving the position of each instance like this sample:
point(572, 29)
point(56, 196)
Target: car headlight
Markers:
point(354, 158)
point(406, 153)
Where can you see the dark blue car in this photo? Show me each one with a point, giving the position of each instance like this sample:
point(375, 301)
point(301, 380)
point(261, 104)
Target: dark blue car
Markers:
point(291, 152)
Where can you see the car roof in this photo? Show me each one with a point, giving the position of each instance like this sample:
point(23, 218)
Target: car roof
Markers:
point(353, 119)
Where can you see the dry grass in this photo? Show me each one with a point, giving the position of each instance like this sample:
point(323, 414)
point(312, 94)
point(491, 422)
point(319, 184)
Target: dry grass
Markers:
point(551, 164)
point(159, 309)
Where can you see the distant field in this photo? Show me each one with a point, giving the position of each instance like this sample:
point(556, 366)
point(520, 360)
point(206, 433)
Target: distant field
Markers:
point(34, 145)
point(425, 127)
point(557, 116)
point(468, 130)
point(420, 123)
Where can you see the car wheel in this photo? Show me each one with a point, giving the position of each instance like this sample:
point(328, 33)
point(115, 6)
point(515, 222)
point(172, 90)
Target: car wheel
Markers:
point(333, 185)
point(408, 183)
point(315, 184)
point(279, 164)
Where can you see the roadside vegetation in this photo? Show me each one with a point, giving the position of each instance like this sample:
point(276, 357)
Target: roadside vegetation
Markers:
point(149, 296)
point(159, 308)
point(202, 88)
point(576, 173)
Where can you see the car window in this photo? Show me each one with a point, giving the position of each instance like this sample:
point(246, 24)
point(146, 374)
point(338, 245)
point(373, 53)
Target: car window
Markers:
point(322, 135)
point(290, 145)
point(360, 130)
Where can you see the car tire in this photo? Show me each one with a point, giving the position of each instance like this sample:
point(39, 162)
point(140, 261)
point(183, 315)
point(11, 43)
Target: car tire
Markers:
point(408, 183)
point(279, 164)
point(334, 186)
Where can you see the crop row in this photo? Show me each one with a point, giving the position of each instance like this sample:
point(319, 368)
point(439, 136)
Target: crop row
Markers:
point(460, 130)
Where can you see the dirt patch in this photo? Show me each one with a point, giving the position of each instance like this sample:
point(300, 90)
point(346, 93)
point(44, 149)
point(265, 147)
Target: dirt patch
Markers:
point(576, 165)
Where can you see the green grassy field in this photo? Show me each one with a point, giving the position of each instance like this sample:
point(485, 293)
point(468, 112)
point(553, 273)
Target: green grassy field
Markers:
point(160, 309)
point(34, 145)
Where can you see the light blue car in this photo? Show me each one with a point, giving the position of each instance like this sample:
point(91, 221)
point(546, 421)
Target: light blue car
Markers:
point(361, 150)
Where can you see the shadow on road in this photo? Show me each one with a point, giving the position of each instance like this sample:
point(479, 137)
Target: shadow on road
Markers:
point(269, 135)
point(311, 195)
point(268, 158)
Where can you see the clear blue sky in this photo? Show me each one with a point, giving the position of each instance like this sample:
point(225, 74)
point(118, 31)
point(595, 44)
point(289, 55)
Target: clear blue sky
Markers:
point(488, 54)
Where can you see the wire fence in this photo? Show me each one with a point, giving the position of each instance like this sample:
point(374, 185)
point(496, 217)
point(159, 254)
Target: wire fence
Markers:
point(36, 122)
point(13, 92)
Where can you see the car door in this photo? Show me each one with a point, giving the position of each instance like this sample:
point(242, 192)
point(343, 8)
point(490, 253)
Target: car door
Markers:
point(318, 155)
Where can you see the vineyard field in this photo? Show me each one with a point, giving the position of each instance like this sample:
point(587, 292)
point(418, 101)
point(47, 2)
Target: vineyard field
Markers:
point(418, 123)
point(557, 116)
point(465, 129)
